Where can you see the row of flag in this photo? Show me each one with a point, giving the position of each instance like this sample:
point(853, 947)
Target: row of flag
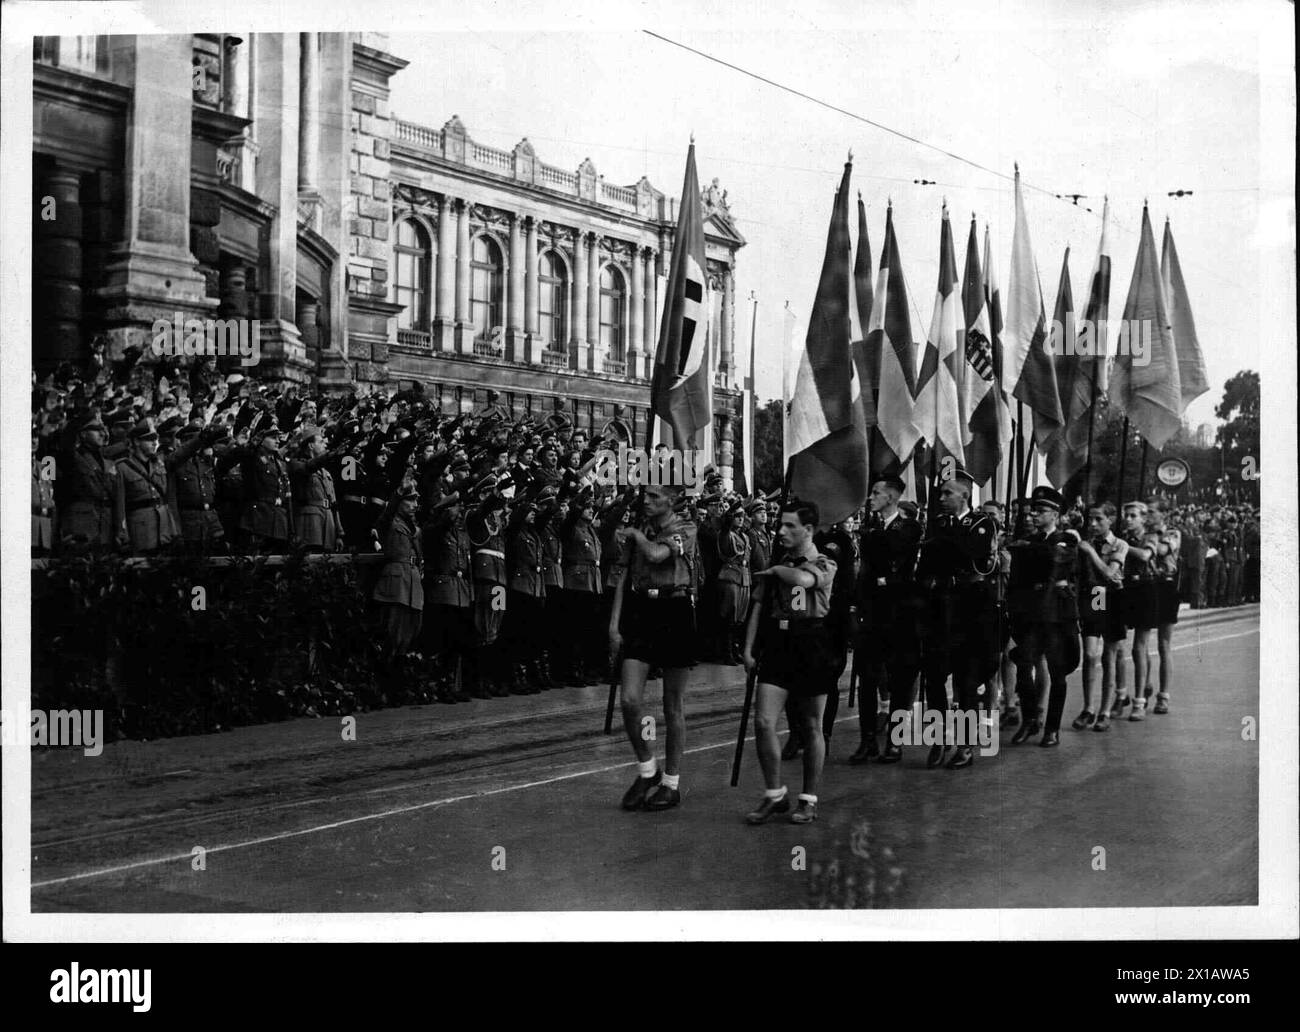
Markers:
point(868, 398)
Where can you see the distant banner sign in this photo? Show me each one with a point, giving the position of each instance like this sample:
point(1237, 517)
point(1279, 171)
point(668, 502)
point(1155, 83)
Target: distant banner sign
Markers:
point(1173, 472)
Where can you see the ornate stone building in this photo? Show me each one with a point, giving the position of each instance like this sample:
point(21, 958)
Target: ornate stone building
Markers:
point(264, 175)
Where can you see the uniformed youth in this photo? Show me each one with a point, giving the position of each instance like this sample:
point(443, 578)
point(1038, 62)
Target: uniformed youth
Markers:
point(1168, 552)
point(1101, 616)
point(1141, 606)
point(652, 623)
point(733, 586)
point(795, 655)
point(1042, 599)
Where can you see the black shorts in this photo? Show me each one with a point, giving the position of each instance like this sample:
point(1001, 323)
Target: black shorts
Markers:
point(1106, 624)
point(803, 660)
point(1058, 643)
point(1167, 602)
point(659, 631)
point(1140, 605)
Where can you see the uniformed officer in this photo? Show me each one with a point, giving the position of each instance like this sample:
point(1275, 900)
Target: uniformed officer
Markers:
point(268, 499)
point(398, 589)
point(795, 656)
point(484, 523)
point(44, 515)
point(1141, 611)
point(194, 486)
point(1042, 598)
point(448, 628)
point(1168, 551)
point(316, 519)
point(959, 637)
point(733, 582)
point(760, 538)
point(525, 626)
point(141, 512)
point(652, 622)
point(1101, 616)
point(85, 488)
point(888, 609)
point(582, 587)
point(551, 629)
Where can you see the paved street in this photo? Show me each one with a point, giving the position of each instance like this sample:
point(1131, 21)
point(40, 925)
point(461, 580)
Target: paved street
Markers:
point(411, 815)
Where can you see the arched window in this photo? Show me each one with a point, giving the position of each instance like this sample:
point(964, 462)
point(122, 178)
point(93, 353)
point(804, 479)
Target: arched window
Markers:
point(485, 287)
point(613, 335)
point(414, 253)
point(553, 292)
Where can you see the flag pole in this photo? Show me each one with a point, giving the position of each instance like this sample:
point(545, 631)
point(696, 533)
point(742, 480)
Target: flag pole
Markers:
point(751, 681)
point(1087, 460)
point(1142, 470)
point(1123, 462)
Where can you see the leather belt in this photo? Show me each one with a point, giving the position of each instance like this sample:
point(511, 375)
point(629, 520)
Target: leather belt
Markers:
point(661, 593)
point(40, 510)
point(134, 506)
point(196, 508)
point(490, 551)
point(358, 499)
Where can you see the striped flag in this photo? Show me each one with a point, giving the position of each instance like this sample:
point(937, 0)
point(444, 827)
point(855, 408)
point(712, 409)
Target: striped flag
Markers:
point(1144, 382)
point(890, 336)
point(681, 392)
point(1063, 461)
point(866, 358)
point(978, 388)
point(938, 411)
point(828, 442)
point(1192, 380)
point(1031, 376)
point(993, 298)
point(1082, 376)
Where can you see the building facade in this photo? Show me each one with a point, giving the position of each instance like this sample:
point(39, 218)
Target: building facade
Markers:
point(264, 176)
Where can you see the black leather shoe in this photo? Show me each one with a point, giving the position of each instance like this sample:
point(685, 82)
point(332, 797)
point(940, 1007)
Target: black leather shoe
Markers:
point(634, 798)
point(804, 813)
point(663, 798)
point(936, 757)
point(963, 756)
point(1026, 731)
point(1084, 720)
point(498, 690)
point(1011, 718)
point(1050, 738)
point(866, 751)
point(767, 809)
point(892, 753)
point(793, 747)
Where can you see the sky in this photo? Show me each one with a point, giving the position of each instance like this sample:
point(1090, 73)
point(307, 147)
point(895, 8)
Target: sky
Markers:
point(1131, 101)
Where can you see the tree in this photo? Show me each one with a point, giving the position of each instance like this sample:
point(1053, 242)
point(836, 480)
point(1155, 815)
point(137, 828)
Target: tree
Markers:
point(769, 448)
point(1238, 437)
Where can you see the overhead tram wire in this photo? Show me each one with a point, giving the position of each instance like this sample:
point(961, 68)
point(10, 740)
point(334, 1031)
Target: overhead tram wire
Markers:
point(848, 114)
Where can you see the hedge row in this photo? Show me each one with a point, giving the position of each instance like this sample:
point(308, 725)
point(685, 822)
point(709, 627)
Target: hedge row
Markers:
point(264, 640)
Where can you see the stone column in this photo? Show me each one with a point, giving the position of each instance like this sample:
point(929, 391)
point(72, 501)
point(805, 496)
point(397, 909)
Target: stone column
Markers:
point(726, 451)
point(308, 112)
point(333, 372)
point(533, 343)
point(234, 72)
point(636, 331)
point(276, 116)
point(151, 273)
point(594, 363)
point(651, 327)
point(445, 318)
point(464, 331)
point(56, 295)
point(515, 301)
point(728, 343)
point(581, 344)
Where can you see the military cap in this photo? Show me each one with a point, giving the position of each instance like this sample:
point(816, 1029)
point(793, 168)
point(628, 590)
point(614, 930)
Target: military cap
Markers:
point(267, 429)
point(1046, 497)
point(486, 484)
point(91, 421)
point(961, 475)
point(756, 505)
point(170, 425)
point(407, 492)
point(189, 430)
point(142, 431)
